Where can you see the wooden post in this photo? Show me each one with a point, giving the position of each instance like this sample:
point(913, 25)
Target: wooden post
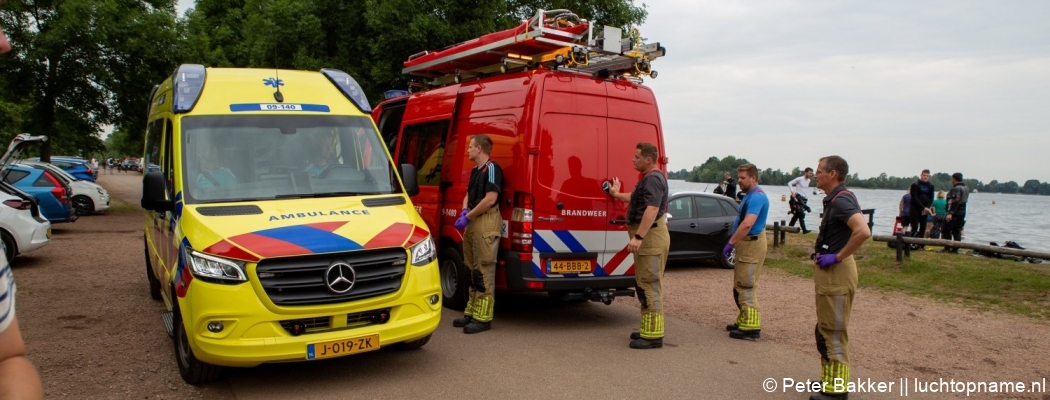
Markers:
point(783, 234)
point(964, 245)
point(900, 247)
point(776, 233)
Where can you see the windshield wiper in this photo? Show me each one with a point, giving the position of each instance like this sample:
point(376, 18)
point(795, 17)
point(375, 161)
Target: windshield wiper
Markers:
point(326, 194)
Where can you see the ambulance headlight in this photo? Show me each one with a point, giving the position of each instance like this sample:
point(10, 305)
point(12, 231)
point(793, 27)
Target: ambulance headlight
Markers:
point(423, 252)
point(215, 269)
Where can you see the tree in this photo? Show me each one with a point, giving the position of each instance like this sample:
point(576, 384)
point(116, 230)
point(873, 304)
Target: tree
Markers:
point(82, 64)
point(369, 39)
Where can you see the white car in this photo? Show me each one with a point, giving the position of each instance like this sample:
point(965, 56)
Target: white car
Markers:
point(22, 227)
point(87, 197)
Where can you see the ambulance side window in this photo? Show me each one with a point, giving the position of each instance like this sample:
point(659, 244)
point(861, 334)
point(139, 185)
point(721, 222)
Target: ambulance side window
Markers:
point(153, 136)
point(423, 145)
point(169, 159)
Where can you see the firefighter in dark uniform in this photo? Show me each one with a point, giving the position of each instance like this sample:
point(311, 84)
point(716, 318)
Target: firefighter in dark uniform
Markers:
point(956, 217)
point(749, 241)
point(842, 231)
point(649, 242)
point(481, 225)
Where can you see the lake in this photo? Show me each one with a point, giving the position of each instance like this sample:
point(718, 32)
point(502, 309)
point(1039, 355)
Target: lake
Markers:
point(1017, 217)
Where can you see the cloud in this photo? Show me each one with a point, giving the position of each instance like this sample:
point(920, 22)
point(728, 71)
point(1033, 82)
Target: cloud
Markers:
point(893, 86)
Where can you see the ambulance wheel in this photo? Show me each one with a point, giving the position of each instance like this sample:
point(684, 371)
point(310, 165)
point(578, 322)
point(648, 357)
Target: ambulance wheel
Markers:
point(154, 283)
point(193, 371)
point(727, 262)
point(454, 281)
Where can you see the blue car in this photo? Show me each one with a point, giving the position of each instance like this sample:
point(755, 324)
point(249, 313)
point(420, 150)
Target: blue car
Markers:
point(74, 166)
point(51, 191)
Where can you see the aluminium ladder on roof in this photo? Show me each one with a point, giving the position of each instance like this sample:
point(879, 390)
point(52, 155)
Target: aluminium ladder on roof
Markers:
point(567, 45)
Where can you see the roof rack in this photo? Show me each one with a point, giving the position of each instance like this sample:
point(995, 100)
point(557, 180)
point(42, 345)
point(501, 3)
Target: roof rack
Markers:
point(554, 39)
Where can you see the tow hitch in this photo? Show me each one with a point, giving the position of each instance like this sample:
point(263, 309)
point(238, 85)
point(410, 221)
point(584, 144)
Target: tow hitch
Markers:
point(604, 295)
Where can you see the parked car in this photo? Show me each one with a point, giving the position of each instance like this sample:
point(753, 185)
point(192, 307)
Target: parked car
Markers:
point(53, 193)
point(87, 197)
point(76, 167)
point(131, 164)
point(22, 226)
point(699, 224)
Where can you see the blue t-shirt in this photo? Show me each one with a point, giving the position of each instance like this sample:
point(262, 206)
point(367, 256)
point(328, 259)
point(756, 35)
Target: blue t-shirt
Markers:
point(755, 202)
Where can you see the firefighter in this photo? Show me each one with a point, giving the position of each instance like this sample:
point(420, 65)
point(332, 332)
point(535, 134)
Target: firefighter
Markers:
point(749, 233)
point(480, 223)
point(842, 231)
point(649, 242)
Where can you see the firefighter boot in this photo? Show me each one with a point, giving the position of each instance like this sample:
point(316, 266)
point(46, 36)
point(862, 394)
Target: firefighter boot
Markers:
point(462, 321)
point(739, 334)
point(477, 326)
point(732, 327)
point(642, 343)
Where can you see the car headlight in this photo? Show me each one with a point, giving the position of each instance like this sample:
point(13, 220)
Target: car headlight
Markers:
point(214, 269)
point(423, 252)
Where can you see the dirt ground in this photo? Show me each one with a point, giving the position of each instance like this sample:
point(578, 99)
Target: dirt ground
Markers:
point(92, 331)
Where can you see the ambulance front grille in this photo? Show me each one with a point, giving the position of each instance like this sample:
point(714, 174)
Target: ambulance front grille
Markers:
point(299, 281)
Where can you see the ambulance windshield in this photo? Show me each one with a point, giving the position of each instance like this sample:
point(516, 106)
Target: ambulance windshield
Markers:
point(265, 157)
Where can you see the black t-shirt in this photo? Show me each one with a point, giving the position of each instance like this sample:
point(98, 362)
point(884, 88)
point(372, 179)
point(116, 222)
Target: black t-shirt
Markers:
point(484, 179)
point(651, 191)
point(730, 187)
point(839, 206)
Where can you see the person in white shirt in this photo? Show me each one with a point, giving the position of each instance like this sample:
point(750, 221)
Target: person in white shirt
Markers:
point(797, 204)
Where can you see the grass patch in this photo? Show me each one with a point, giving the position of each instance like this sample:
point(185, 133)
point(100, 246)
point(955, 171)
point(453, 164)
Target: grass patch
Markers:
point(985, 283)
point(119, 206)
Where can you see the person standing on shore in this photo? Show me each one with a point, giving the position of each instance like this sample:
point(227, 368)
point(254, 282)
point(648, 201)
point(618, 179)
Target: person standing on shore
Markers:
point(798, 187)
point(842, 231)
point(955, 216)
point(921, 202)
point(749, 233)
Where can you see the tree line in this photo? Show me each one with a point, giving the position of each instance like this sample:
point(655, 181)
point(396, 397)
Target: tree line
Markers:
point(79, 66)
point(713, 171)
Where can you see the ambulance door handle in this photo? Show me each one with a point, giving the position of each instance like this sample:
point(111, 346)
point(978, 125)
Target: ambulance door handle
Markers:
point(618, 222)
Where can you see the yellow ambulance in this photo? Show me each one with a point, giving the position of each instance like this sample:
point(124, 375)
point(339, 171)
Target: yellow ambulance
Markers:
point(277, 227)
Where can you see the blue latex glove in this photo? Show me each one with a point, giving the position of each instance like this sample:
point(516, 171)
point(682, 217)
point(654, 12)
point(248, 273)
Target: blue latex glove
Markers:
point(827, 260)
point(728, 250)
point(461, 222)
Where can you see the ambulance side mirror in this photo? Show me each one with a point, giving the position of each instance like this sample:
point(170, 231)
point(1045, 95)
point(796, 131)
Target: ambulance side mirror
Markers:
point(153, 193)
point(408, 175)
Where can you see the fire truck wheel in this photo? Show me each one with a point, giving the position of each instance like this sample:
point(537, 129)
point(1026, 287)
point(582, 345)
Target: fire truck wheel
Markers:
point(454, 280)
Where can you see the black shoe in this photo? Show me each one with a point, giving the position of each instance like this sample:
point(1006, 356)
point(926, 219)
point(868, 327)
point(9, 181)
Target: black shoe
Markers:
point(806, 232)
point(739, 334)
point(641, 343)
point(462, 321)
point(477, 326)
point(731, 327)
point(636, 335)
point(825, 396)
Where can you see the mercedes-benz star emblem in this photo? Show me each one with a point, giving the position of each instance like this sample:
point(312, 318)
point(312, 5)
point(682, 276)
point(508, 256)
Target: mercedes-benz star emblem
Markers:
point(340, 277)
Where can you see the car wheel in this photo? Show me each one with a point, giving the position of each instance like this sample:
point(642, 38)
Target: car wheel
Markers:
point(727, 262)
point(83, 205)
point(193, 371)
point(415, 344)
point(11, 248)
point(454, 282)
point(154, 283)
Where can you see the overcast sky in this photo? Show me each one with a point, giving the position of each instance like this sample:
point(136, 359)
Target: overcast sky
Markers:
point(893, 86)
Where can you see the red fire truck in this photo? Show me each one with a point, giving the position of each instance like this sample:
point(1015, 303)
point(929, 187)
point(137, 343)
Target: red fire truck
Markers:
point(565, 108)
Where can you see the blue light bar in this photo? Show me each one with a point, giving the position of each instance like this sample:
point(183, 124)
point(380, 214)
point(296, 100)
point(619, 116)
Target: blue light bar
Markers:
point(349, 87)
point(187, 84)
point(395, 93)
